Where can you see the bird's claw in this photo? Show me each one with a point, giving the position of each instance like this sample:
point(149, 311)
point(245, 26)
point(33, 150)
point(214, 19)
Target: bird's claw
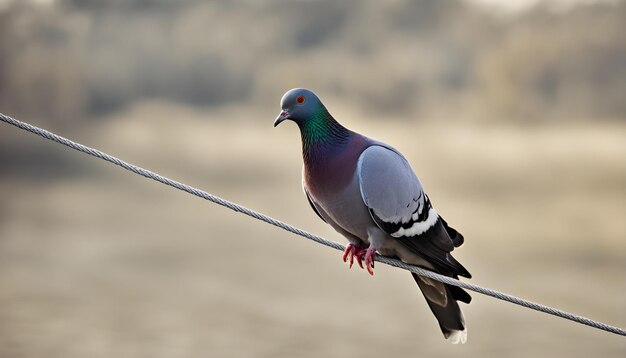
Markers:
point(359, 258)
point(369, 260)
point(362, 256)
point(352, 252)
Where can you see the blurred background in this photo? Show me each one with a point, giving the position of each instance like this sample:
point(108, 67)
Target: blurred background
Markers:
point(512, 113)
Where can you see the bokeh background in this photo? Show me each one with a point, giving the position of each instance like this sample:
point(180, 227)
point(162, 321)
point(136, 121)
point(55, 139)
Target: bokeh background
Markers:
point(512, 113)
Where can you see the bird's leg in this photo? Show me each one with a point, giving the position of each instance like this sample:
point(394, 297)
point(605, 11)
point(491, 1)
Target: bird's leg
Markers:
point(353, 251)
point(376, 239)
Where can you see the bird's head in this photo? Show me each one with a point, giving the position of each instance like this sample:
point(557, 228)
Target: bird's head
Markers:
point(300, 105)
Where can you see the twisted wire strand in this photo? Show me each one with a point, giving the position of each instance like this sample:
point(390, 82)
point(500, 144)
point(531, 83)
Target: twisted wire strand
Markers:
point(262, 217)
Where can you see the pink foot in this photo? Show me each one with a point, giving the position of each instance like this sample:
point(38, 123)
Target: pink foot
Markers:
point(369, 260)
point(361, 255)
point(353, 251)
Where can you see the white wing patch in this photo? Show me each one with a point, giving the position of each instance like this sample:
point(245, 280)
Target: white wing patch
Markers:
point(418, 227)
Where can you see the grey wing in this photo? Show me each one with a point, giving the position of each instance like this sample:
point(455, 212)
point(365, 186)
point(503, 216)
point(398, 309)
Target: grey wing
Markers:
point(393, 193)
point(397, 203)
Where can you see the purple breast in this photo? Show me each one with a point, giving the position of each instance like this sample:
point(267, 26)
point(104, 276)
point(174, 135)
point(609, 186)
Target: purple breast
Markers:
point(331, 171)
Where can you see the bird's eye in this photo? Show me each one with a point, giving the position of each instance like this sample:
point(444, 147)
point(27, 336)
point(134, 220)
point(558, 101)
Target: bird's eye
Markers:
point(300, 99)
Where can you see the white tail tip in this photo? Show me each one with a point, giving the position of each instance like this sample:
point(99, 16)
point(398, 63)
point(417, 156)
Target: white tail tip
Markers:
point(457, 337)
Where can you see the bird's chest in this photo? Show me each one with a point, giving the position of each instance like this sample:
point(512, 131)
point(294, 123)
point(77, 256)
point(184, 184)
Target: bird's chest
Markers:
point(335, 189)
point(329, 176)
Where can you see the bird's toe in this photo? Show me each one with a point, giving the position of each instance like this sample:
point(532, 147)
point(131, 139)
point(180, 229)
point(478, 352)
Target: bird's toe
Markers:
point(369, 256)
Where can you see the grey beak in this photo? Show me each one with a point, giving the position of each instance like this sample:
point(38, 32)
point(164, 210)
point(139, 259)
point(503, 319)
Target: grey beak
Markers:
point(281, 117)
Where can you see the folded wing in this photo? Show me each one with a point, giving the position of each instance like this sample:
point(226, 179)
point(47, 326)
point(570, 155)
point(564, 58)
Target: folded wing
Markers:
point(399, 206)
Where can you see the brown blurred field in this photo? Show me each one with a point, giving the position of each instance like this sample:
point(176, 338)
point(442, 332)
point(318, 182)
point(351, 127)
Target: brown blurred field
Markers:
point(109, 264)
point(516, 125)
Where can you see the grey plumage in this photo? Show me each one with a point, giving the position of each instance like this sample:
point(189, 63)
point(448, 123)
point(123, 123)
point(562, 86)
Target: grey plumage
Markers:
point(367, 191)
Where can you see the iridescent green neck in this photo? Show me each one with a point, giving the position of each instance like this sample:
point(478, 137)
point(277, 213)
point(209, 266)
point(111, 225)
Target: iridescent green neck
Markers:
point(321, 133)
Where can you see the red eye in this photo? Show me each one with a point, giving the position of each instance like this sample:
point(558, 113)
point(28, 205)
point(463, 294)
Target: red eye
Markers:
point(300, 99)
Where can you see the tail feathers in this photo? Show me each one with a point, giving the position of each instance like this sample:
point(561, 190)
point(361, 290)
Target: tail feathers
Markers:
point(457, 337)
point(442, 300)
point(460, 294)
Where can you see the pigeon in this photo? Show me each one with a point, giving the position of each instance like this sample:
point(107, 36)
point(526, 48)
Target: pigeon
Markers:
point(367, 191)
